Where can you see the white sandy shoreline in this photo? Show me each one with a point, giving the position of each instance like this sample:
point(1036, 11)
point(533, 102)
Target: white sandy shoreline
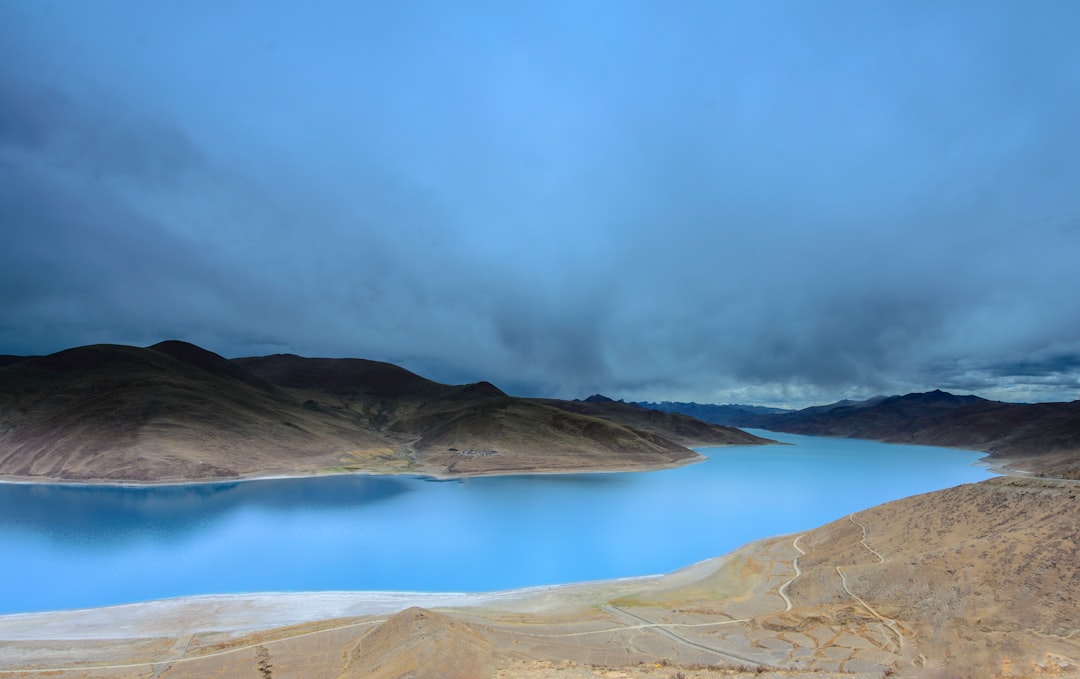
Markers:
point(244, 613)
point(236, 613)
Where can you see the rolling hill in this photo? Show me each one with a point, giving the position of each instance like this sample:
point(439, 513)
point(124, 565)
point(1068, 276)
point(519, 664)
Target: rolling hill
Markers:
point(678, 427)
point(175, 412)
point(1041, 438)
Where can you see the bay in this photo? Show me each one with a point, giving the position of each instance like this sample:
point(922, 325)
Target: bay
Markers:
point(77, 546)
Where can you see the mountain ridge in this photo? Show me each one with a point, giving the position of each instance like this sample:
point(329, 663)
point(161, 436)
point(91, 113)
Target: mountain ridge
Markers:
point(1040, 438)
point(174, 412)
point(681, 428)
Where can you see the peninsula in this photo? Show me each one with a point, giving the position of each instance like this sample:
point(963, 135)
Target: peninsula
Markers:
point(175, 412)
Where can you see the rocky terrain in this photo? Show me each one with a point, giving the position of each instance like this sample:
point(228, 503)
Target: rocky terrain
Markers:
point(176, 412)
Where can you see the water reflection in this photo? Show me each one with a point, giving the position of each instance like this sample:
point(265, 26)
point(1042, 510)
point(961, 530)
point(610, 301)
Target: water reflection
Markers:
point(77, 546)
point(586, 479)
point(104, 516)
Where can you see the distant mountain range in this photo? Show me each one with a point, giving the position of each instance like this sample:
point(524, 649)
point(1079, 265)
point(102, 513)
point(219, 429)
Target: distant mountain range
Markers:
point(175, 412)
point(1040, 437)
point(681, 428)
point(711, 412)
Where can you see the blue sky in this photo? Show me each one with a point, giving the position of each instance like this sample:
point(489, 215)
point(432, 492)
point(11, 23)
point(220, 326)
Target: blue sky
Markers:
point(771, 202)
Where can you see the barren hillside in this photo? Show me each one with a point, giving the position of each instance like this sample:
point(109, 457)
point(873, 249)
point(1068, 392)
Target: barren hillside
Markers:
point(176, 412)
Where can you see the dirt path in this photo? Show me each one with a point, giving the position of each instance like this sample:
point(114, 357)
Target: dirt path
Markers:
point(888, 622)
point(178, 651)
point(671, 634)
point(627, 628)
point(184, 644)
point(851, 518)
point(783, 588)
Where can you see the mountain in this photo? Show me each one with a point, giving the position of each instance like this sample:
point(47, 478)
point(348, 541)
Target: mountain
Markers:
point(893, 418)
point(732, 415)
point(174, 411)
point(1042, 438)
point(467, 429)
point(680, 428)
point(846, 403)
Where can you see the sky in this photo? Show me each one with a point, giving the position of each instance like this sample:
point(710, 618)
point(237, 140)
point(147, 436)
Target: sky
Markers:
point(782, 203)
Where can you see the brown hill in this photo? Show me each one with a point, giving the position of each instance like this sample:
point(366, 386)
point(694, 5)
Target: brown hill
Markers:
point(422, 644)
point(351, 377)
point(175, 412)
point(682, 429)
point(981, 578)
point(505, 434)
point(468, 429)
point(1043, 438)
point(166, 413)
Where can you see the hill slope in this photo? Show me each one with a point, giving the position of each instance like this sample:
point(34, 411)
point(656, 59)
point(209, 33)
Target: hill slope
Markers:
point(680, 428)
point(467, 429)
point(176, 412)
point(1043, 438)
point(168, 412)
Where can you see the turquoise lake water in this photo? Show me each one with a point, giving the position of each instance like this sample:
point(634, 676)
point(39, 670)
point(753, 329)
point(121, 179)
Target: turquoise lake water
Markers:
point(81, 546)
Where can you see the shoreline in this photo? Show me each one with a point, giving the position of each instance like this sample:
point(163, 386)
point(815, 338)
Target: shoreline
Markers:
point(260, 611)
point(824, 602)
point(358, 602)
point(418, 474)
point(1002, 466)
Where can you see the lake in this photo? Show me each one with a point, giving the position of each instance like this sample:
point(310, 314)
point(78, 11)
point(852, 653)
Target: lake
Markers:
point(69, 546)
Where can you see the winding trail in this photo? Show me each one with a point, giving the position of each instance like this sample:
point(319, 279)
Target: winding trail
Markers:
point(664, 629)
point(152, 663)
point(178, 650)
point(888, 622)
point(798, 571)
point(625, 628)
point(851, 518)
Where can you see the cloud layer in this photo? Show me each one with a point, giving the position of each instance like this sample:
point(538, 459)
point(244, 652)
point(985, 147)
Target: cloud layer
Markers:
point(766, 202)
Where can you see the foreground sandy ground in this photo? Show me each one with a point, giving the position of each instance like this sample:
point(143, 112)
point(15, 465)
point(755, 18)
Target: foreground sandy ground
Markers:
point(980, 580)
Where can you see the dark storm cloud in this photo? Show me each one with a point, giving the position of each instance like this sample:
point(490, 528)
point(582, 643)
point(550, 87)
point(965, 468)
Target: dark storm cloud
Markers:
point(718, 201)
point(47, 124)
point(1024, 378)
point(1057, 364)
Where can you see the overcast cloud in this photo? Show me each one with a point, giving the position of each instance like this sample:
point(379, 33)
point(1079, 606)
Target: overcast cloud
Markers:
point(771, 202)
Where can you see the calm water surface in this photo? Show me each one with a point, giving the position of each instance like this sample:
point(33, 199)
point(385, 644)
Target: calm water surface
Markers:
point(81, 546)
